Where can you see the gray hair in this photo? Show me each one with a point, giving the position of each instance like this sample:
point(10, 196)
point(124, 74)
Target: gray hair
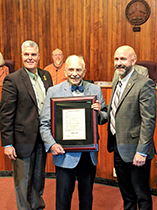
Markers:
point(80, 58)
point(29, 43)
point(1, 60)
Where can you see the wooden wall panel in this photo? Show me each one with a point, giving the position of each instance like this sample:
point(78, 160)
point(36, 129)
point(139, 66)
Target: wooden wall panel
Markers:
point(91, 28)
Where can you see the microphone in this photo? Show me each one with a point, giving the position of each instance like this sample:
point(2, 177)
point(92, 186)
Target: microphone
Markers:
point(56, 70)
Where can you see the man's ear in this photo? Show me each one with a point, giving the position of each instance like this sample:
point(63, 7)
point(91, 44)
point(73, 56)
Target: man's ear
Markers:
point(134, 61)
point(84, 73)
point(65, 73)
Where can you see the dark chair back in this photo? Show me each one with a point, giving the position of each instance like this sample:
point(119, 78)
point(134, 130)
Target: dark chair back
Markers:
point(10, 65)
point(88, 80)
point(151, 66)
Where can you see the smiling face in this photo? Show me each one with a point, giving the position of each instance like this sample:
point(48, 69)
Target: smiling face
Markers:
point(30, 58)
point(57, 57)
point(74, 70)
point(124, 60)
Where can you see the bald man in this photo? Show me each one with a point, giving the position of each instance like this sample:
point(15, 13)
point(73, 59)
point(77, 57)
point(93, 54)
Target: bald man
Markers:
point(131, 124)
point(70, 165)
point(140, 69)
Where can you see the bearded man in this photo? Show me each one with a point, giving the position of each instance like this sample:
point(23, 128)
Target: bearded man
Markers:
point(131, 124)
point(56, 69)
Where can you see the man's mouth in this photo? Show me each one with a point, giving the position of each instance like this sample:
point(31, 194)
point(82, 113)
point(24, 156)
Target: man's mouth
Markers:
point(120, 67)
point(28, 62)
point(77, 77)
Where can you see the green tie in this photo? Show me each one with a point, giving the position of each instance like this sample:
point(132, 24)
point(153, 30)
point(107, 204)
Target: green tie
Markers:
point(40, 93)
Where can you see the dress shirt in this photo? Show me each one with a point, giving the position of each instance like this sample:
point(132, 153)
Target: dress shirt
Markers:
point(77, 92)
point(124, 82)
point(31, 76)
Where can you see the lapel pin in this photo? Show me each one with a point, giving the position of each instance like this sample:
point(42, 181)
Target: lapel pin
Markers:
point(45, 78)
point(129, 85)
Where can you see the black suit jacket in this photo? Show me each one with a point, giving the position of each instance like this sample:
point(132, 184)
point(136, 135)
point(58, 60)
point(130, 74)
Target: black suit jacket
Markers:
point(19, 111)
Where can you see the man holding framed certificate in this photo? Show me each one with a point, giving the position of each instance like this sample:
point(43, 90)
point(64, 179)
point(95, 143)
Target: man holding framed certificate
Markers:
point(60, 121)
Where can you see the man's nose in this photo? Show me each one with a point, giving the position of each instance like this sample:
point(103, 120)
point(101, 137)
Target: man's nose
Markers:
point(118, 62)
point(30, 56)
point(75, 72)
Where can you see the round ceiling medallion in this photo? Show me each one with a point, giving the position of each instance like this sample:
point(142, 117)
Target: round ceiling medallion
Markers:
point(137, 12)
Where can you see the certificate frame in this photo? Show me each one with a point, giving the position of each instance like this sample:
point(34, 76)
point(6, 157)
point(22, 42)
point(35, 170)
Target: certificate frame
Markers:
point(58, 105)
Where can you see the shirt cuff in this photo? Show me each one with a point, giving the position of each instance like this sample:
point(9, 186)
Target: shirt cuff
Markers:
point(10, 145)
point(142, 154)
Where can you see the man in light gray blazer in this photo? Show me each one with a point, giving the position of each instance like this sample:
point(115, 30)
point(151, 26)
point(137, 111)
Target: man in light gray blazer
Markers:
point(70, 165)
point(135, 119)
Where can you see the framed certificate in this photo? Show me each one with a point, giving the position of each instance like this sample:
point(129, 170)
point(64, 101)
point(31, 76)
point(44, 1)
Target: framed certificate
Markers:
point(74, 123)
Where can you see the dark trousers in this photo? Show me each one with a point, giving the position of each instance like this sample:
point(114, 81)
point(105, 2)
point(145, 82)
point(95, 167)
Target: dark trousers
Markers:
point(29, 179)
point(65, 184)
point(133, 183)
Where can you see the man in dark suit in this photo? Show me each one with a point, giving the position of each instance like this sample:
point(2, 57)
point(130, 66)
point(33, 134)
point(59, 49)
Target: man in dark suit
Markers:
point(70, 165)
point(20, 109)
point(130, 130)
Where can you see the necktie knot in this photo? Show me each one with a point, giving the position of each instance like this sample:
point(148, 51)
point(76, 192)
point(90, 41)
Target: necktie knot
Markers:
point(75, 87)
point(35, 77)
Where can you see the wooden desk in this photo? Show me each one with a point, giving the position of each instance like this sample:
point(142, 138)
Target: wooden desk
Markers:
point(105, 159)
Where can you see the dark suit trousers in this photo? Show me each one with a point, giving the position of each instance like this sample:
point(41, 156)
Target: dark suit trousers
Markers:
point(133, 183)
point(29, 178)
point(65, 184)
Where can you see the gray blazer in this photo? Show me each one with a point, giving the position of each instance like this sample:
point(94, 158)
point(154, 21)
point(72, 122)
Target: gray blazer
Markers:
point(69, 159)
point(135, 118)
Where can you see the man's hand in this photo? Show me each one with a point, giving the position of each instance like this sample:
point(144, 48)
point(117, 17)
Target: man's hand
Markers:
point(10, 152)
point(57, 149)
point(96, 106)
point(139, 160)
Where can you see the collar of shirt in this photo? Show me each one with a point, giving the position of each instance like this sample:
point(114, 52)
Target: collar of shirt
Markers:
point(32, 78)
point(58, 67)
point(125, 81)
point(31, 75)
point(77, 92)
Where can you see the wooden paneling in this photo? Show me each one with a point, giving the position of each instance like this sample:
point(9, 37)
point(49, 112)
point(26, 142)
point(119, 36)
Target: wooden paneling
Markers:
point(91, 28)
